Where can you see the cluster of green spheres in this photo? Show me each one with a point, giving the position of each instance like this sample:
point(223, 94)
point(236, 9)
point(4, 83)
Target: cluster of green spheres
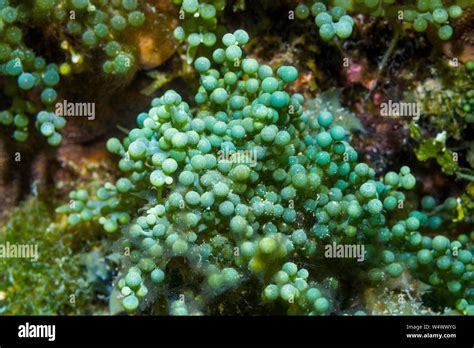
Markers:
point(21, 73)
point(94, 25)
point(467, 102)
point(199, 22)
point(419, 13)
point(246, 187)
point(333, 21)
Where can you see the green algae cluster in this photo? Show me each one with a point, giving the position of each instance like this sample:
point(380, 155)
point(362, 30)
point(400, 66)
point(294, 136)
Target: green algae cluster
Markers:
point(79, 27)
point(265, 219)
point(332, 19)
point(228, 202)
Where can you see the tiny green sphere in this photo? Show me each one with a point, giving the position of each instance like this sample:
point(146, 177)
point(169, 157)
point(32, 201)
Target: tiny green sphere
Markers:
point(89, 38)
point(179, 34)
point(326, 31)
point(325, 118)
point(129, 5)
point(26, 81)
point(343, 29)
point(287, 73)
point(136, 18)
point(321, 305)
point(454, 286)
point(390, 203)
point(229, 39)
point(233, 53)
point(337, 133)
point(425, 257)
point(221, 189)
point(133, 279)
point(48, 96)
point(47, 129)
point(123, 62)
point(190, 6)
point(465, 256)
point(169, 166)
point(238, 224)
point(440, 243)
point(368, 190)
point(271, 292)
point(420, 24)
point(412, 223)
point(219, 96)
point(445, 32)
point(455, 11)
point(118, 22)
point(288, 292)
point(113, 145)
point(250, 66)
point(202, 64)
point(440, 15)
point(80, 4)
point(279, 99)
point(375, 206)
point(394, 269)
point(207, 11)
point(324, 139)
point(323, 18)
point(55, 139)
point(241, 36)
point(137, 150)
point(302, 11)
point(408, 181)
point(130, 303)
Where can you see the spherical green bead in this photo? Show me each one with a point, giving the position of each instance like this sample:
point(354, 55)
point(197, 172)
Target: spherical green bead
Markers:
point(136, 18)
point(288, 292)
point(323, 18)
point(250, 66)
point(241, 36)
point(440, 15)
point(440, 243)
point(130, 303)
point(133, 279)
point(425, 257)
point(271, 292)
point(26, 81)
point(302, 11)
point(118, 22)
point(420, 24)
point(445, 32)
point(321, 305)
point(455, 11)
point(190, 6)
point(219, 96)
point(326, 31)
point(394, 269)
point(343, 29)
point(287, 73)
point(325, 118)
point(202, 64)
